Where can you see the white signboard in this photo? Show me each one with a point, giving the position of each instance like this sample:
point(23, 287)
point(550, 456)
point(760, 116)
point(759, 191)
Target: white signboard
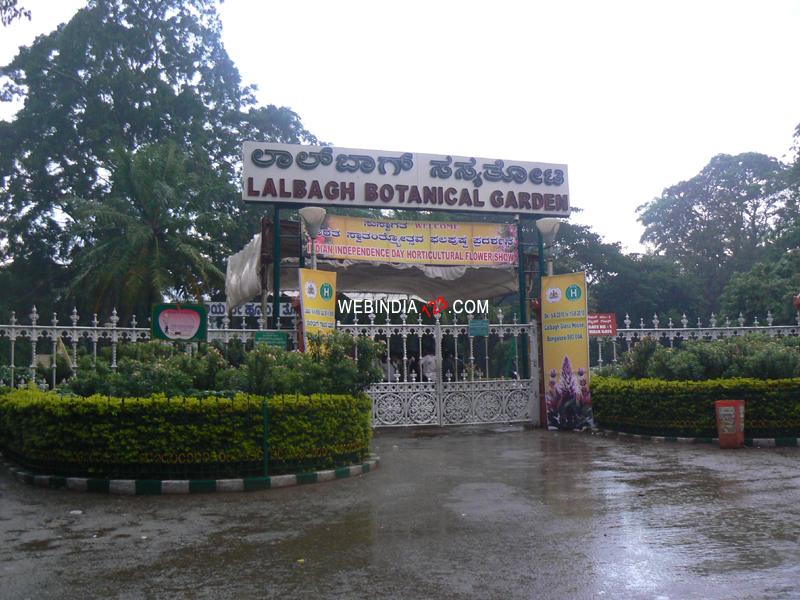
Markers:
point(251, 309)
point(330, 176)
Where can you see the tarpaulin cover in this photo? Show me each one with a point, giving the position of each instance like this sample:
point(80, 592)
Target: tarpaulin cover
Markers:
point(242, 280)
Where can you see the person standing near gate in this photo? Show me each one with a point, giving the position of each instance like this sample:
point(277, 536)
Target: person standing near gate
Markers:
point(428, 367)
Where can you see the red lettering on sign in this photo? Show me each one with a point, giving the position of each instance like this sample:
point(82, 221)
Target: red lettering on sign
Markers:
point(251, 191)
point(284, 193)
point(331, 190)
point(348, 190)
point(315, 191)
point(269, 189)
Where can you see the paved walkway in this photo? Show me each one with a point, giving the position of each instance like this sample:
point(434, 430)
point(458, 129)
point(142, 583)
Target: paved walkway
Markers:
point(449, 514)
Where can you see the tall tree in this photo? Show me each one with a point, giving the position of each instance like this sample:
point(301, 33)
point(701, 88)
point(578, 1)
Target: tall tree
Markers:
point(767, 286)
point(787, 230)
point(719, 221)
point(645, 285)
point(11, 10)
point(124, 74)
point(578, 248)
point(139, 244)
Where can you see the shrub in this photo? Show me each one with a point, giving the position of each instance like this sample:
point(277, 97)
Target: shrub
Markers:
point(636, 363)
point(132, 378)
point(161, 437)
point(756, 356)
point(686, 408)
point(328, 367)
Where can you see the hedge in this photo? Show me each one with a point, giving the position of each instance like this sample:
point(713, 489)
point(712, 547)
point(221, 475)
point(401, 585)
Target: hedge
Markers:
point(181, 437)
point(686, 408)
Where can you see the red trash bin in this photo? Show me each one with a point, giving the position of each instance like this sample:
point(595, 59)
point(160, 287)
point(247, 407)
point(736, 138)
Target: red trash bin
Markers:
point(730, 423)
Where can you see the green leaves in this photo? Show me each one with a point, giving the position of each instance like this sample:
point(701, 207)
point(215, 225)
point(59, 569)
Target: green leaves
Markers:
point(160, 436)
point(756, 356)
point(118, 79)
point(140, 242)
point(686, 408)
point(329, 367)
point(719, 221)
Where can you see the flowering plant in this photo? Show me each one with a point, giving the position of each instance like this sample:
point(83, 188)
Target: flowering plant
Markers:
point(569, 401)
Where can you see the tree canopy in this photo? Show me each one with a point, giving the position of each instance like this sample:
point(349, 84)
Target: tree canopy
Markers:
point(720, 221)
point(119, 182)
point(11, 10)
point(119, 76)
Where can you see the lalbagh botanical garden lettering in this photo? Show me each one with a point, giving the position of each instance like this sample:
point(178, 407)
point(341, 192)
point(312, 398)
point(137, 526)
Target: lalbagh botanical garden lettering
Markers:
point(323, 175)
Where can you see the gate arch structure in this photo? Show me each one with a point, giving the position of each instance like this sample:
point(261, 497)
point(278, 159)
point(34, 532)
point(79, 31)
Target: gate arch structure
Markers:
point(468, 379)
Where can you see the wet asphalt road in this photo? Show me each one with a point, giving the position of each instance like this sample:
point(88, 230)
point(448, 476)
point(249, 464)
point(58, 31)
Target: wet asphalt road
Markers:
point(450, 514)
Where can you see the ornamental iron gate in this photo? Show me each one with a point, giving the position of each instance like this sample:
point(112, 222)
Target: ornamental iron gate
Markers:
point(436, 374)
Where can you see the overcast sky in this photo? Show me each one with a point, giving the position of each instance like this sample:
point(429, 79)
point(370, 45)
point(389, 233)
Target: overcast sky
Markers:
point(632, 96)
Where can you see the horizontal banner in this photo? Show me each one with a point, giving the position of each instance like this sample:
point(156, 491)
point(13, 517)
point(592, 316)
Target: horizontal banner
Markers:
point(426, 242)
point(329, 176)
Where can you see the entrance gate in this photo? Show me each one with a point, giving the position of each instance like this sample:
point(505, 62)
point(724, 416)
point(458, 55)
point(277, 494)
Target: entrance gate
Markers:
point(437, 374)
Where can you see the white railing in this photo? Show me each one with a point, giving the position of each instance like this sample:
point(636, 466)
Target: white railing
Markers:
point(673, 334)
point(95, 334)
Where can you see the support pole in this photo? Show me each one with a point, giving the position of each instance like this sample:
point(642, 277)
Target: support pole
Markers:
point(541, 262)
point(264, 271)
point(540, 348)
point(276, 266)
point(265, 434)
point(522, 368)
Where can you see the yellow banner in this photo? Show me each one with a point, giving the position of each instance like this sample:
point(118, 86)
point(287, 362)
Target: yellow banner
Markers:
point(426, 242)
point(317, 302)
point(565, 338)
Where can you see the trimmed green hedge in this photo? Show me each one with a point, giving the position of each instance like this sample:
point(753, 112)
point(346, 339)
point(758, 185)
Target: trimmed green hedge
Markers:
point(686, 408)
point(181, 437)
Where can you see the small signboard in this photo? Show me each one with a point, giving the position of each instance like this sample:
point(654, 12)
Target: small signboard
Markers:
point(179, 322)
point(272, 338)
point(317, 302)
point(251, 309)
point(602, 324)
point(479, 327)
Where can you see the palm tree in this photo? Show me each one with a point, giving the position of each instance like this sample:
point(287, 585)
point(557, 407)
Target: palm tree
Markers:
point(140, 244)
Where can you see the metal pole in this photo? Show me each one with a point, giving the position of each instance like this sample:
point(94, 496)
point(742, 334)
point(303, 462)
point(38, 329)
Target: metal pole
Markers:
point(313, 253)
point(276, 266)
point(265, 414)
point(264, 268)
point(540, 239)
point(538, 342)
point(522, 366)
point(523, 312)
point(303, 237)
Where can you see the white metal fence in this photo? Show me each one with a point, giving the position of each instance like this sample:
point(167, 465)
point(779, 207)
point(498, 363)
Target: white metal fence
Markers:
point(611, 348)
point(42, 339)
